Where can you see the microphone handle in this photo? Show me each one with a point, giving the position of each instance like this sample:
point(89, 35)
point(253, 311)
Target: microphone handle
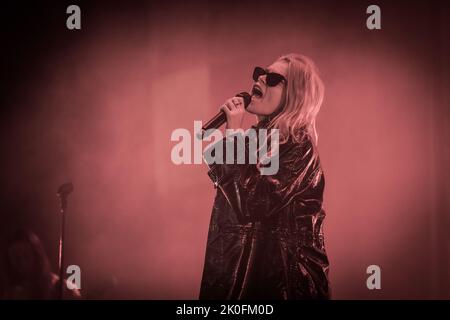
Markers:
point(220, 118)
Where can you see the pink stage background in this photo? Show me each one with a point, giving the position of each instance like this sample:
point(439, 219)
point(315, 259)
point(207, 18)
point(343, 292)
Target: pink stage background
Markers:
point(99, 107)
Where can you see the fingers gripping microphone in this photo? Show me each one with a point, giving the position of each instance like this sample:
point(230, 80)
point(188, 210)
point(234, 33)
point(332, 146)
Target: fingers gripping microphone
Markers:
point(220, 118)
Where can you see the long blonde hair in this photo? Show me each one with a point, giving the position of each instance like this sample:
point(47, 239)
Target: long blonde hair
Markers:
point(302, 101)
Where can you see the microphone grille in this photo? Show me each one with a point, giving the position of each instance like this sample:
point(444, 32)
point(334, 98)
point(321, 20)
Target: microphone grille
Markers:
point(247, 98)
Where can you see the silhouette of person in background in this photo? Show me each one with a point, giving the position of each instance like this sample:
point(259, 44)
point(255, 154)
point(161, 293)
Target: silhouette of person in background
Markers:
point(28, 273)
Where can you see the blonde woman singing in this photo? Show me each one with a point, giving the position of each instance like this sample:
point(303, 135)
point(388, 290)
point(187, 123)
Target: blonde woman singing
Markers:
point(265, 237)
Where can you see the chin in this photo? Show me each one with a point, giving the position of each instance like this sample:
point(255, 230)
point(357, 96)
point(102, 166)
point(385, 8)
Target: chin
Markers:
point(253, 109)
point(250, 110)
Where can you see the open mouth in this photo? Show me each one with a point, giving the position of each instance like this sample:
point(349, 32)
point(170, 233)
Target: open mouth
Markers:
point(256, 91)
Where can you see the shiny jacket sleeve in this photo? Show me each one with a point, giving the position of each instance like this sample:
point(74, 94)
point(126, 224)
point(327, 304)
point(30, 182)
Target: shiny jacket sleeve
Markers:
point(254, 196)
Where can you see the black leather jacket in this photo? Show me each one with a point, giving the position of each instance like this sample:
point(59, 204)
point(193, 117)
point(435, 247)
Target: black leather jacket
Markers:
point(265, 237)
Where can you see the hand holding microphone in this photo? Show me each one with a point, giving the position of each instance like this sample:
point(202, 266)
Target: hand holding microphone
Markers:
point(231, 112)
point(234, 110)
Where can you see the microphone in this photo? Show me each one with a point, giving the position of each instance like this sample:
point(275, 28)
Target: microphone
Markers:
point(65, 189)
point(63, 192)
point(220, 118)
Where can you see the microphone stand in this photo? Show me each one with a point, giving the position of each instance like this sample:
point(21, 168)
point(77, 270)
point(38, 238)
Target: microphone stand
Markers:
point(63, 192)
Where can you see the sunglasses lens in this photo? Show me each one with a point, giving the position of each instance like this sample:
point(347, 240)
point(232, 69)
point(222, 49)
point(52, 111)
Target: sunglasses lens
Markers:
point(258, 72)
point(273, 79)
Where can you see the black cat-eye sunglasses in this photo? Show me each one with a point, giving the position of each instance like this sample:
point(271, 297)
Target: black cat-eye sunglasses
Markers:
point(272, 78)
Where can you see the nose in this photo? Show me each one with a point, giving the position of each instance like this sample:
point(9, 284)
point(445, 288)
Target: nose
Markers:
point(262, 79)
